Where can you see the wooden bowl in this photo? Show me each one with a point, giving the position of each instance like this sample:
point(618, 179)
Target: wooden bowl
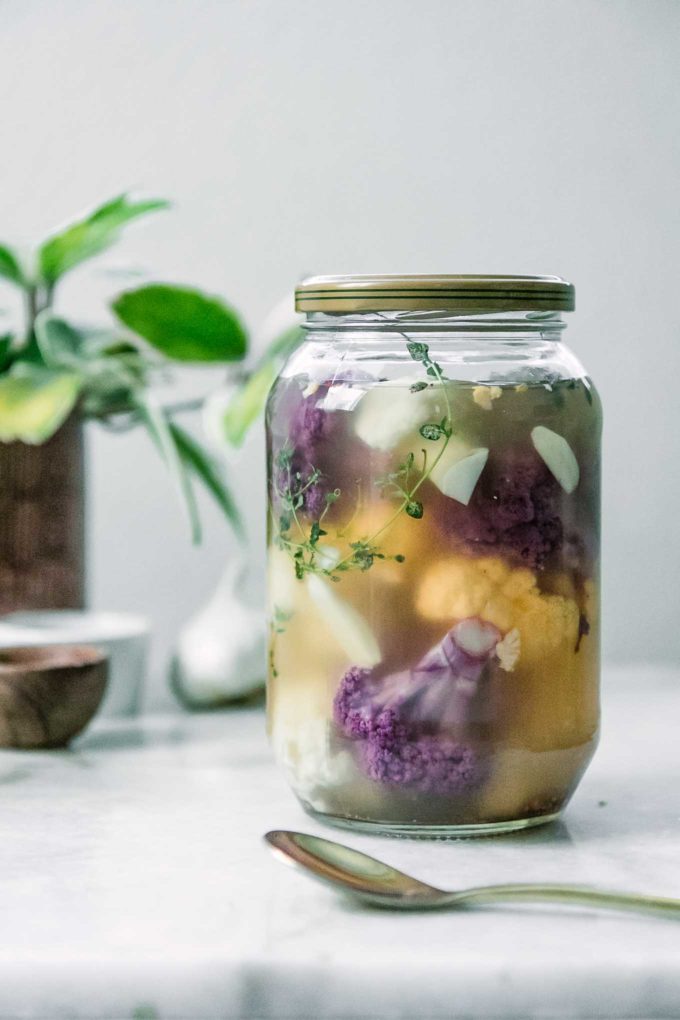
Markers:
point(48, 695)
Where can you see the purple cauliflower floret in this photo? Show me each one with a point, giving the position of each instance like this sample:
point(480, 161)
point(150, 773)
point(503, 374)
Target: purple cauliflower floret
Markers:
point(353, 706)
point(515, 505)
point(402, 722)
point(310, 426)
point(428, 764)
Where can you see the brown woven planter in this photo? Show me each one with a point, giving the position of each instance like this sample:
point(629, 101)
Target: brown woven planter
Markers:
point(42, 523)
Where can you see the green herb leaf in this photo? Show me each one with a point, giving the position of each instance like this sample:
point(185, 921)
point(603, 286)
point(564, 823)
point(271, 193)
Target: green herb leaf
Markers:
point(10, 268)
point(210, 474)
point(414, 509)
point(90, 236)
point(316, 533)
point(284, 457)
point(34, 402)
point(418, 351)
point(183, 323)
point(285, 522)
point(417, 387)
point(432, 432)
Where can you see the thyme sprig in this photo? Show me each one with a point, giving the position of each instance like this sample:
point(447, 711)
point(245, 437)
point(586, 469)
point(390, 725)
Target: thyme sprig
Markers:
point(432, 431)
point(404, 483)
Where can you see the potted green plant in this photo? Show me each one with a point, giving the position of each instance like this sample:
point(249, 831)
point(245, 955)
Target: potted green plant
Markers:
point(55, 374)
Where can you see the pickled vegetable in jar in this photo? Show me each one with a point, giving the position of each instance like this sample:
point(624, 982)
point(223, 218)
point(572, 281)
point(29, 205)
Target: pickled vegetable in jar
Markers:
point(434, 501)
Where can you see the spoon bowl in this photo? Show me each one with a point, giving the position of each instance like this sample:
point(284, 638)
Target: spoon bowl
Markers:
point(352, 871)
point(379, 884)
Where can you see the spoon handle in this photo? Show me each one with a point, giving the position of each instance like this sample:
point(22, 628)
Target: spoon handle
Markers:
point(576, 894)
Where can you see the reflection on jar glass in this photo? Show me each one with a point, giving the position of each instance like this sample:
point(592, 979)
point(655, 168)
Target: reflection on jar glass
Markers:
point(434, 473)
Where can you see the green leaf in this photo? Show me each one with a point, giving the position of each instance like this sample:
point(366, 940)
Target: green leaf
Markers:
point(6, 341)
point(248, 402)
point(60, 344)
point(34, 402)
point(91, 236)
point(10, 268)
point(182, 323)
point(161, 433)
point(209, 472)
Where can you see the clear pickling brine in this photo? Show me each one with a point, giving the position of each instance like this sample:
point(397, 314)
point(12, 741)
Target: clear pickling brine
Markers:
point(434, 475)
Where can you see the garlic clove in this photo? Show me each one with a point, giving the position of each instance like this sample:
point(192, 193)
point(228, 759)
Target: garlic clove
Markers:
point(220, 652)
point(459, 481)
point(349, 627)
point(557, 455)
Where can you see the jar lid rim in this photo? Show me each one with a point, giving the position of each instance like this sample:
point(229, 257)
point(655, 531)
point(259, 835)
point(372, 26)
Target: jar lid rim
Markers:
point(453, 292)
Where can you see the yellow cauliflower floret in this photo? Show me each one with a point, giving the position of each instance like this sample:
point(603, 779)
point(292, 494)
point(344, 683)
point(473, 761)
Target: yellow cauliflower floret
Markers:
point(548, 698)
point(459, 586)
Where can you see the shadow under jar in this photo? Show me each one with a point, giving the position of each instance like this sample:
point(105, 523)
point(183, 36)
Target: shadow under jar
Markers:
point(434, 497)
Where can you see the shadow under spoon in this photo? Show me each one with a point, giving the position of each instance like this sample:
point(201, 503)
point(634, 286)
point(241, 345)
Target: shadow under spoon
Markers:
point(381, 885)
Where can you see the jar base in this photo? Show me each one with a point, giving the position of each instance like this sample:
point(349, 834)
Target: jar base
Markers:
point(404, 830)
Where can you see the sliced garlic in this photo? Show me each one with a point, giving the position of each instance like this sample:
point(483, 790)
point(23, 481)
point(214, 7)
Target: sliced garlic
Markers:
point(484, 396)
point(557, 455)
point(349, 627)
point(456, 450)
point(508, 650)
point(460, 480)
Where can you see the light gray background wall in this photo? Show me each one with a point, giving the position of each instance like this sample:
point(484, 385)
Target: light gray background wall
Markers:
point(371, 135)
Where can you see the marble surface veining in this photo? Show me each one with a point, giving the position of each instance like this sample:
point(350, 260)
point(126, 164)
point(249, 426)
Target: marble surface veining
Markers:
point(133, 884)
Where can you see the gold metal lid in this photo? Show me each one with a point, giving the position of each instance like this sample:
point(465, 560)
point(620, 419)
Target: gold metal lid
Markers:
point(455, 294)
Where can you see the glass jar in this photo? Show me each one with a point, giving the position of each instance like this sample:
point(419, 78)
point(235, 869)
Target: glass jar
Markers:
point(434, 481)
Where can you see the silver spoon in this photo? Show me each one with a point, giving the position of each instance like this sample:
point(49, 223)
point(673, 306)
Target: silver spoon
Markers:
point(379, 884)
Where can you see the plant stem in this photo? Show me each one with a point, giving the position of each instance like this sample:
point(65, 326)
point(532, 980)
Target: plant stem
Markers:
point(408, 498)
point(367, 546)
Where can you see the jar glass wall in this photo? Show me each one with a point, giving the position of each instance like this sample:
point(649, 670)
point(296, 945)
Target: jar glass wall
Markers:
point(433, 568)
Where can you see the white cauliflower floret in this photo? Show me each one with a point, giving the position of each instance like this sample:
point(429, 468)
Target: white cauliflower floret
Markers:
point(389, 412)
point(304, 752)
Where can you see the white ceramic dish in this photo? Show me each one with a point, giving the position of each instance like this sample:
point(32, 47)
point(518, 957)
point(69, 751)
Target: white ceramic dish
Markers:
point(124, 637)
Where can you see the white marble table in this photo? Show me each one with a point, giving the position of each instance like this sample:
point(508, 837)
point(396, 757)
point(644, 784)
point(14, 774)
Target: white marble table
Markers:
point(133, 884)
